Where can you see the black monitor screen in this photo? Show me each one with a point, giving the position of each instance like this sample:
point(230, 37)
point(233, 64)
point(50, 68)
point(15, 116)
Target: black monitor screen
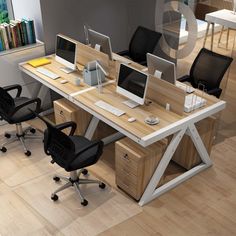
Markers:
point(132, 80)
point(65, 49)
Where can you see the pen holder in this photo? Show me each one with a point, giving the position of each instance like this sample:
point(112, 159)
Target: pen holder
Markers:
point(90, 77)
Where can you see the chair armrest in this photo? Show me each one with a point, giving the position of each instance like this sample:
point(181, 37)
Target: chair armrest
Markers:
point(184, 78)
point(123, 53)
point(35, 100)
point(14, 87)
point(216, 92)
point(69, 124)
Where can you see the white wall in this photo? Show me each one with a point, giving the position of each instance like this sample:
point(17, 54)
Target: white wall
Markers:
point(29, 9)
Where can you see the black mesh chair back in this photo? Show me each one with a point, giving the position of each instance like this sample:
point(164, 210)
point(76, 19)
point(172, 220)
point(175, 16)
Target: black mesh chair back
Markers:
point(70, 152)
point(58, 145)
point(143, 41)
point(7, 104)
point(208, 69)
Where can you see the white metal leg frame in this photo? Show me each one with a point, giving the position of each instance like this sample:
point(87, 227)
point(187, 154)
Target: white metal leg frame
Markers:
point(151, 191)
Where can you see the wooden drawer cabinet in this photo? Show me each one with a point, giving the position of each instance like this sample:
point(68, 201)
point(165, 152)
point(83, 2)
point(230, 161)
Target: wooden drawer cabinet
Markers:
point(135, 165)
point(186, 154)
point(66, 111)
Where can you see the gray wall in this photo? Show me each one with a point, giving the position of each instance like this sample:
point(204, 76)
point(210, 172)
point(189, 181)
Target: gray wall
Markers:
point(106, 16)
point(117, 19)
point(140, 12)
point(29, 9)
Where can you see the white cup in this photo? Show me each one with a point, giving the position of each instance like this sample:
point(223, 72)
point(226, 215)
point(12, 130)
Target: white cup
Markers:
point(76, 81)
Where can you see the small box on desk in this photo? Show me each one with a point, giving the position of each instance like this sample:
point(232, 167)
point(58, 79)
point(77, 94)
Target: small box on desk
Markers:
point(91, 77)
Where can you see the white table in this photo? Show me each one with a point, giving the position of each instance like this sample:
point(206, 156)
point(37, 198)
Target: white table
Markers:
point(224, 17)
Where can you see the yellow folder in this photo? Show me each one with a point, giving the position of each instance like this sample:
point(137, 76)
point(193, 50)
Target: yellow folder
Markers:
point(39, 62)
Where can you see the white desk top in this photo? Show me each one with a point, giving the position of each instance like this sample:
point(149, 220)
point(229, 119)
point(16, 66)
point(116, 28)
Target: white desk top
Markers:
point(223, 17)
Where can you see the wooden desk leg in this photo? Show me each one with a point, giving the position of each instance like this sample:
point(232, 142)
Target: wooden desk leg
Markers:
point(207, 30)
point(221, 32)
point(227, 39)
point(212, 35)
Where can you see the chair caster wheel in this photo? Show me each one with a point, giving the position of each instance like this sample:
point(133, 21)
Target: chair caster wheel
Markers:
point(7, 135)
point(56, 179)
point(102, 186)
point(54, 197)
point(3, 149)
point(85, 172)
point(84, 203)
point(28, 153)
point(33, 131)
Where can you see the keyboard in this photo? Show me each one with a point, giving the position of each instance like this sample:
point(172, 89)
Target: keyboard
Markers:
point(107, 107)
point(47, 73)
point(193, 102)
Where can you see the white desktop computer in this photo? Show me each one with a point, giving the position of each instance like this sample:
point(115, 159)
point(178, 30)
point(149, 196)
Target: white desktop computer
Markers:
point(100, 42)
point(133, 85)
point(66, 53)
point(161, 68)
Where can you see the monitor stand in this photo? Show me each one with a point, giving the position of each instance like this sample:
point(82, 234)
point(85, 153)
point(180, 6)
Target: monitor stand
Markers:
point(67, 70)
point(130, 103)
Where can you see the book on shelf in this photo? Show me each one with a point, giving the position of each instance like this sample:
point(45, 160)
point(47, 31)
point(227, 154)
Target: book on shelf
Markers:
point(16, 34)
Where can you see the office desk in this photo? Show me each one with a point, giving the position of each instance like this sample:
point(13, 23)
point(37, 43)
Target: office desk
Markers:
point(223, 17)
point(170, 123)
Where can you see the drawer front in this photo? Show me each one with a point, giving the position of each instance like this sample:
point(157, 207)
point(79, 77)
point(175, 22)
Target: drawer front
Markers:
point(126, 177)
point(62, 113)
point(125, 160)
point(125, 187)
point(61, 116)
point(129, 184)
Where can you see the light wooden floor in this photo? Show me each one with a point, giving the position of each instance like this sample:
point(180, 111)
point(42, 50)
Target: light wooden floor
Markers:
point(204, 205)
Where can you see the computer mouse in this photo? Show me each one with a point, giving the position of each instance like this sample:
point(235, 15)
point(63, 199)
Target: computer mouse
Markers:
point(64, 81)
point(152, 120)
point(131, 119)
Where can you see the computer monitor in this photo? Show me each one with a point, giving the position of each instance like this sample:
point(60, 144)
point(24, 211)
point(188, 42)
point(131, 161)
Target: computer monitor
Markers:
point(132, 84)
point(161, 68)
point(66, 51)
point(100, 42)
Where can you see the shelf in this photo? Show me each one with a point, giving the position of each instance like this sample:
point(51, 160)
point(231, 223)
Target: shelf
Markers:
point(22, 48)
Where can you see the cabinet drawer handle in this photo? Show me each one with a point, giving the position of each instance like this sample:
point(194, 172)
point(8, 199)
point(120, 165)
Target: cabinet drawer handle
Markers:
point(126, 157)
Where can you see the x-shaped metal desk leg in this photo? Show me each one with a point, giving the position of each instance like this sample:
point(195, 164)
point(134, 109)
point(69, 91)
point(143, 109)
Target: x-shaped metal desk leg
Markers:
point(151, 191)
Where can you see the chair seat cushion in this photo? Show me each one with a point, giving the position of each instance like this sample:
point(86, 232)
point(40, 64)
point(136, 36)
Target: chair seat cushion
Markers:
point(85, 159)
point(24, 113)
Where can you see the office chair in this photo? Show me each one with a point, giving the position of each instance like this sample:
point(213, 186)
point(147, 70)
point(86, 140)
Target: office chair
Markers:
point(14, 110)
point(207, 71)
point(143, 41)
point(72, 153)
